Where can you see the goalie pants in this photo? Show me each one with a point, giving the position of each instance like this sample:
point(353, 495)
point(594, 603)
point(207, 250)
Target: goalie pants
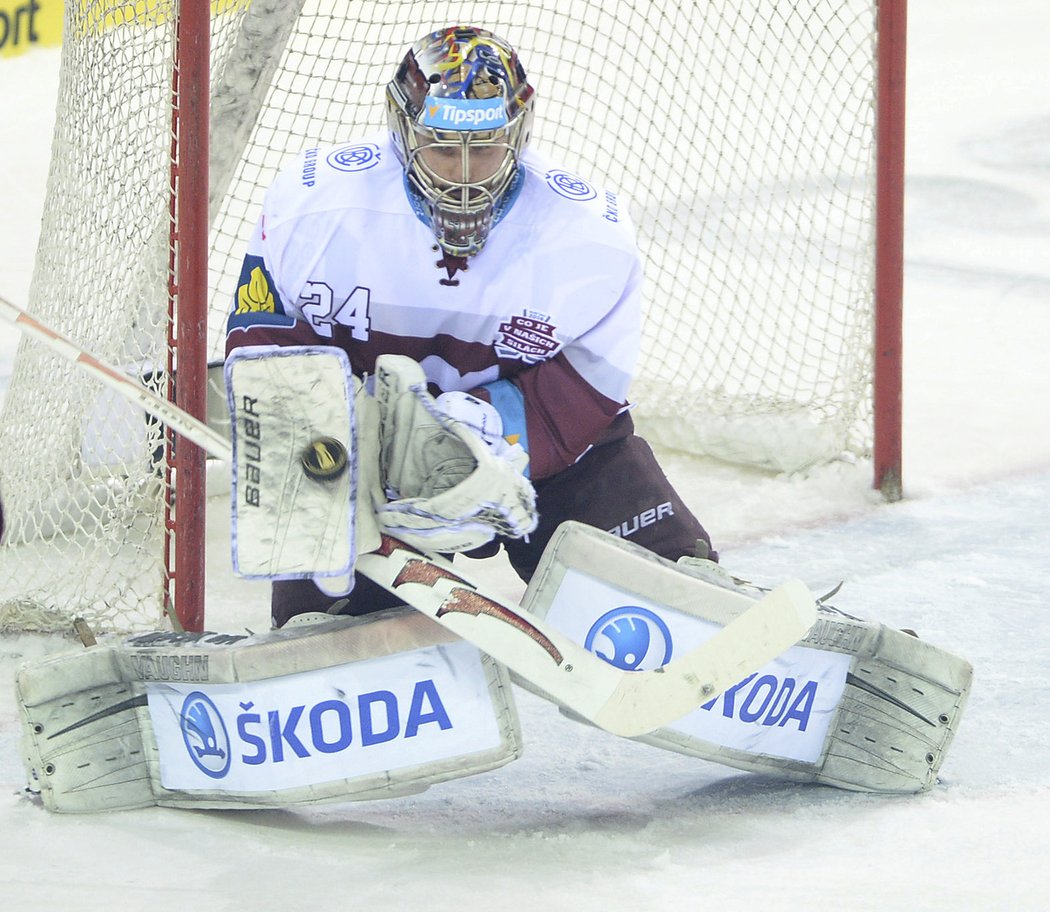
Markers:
point(618, 487)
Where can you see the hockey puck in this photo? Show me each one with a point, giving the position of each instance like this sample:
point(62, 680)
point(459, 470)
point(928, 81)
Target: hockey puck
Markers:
point(324, 459)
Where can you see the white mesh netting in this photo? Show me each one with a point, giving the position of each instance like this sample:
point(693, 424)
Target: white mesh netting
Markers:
point(742, 133)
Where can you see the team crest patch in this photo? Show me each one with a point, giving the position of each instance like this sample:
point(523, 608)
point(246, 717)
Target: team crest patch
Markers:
point(358, 157)
point(528, 338)
point(254, 294)
point(567, 184)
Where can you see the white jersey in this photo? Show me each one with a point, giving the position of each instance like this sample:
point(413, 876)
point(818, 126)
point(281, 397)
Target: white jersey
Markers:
point(545, 320)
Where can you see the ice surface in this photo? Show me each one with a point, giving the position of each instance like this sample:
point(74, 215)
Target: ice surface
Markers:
point(585, 821)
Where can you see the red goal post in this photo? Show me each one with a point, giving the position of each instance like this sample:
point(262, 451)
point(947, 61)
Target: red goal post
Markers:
point(758, 146)
point(186, 524)
point(888, 342)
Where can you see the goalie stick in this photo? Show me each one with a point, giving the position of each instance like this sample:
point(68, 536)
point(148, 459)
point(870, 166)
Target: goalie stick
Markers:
point(627, 703)
point(185, 424)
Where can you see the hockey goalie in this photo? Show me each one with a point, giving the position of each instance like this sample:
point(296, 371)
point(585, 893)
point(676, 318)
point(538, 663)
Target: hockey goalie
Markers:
point(433, 341)
point(337, 707)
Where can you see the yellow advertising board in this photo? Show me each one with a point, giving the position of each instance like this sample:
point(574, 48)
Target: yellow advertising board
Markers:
point(26, 24)
point(38, 23)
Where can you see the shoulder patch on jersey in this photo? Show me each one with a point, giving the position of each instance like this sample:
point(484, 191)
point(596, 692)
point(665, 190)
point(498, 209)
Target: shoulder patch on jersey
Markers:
point(569, 185)
point(354, 157)
point(255, 290)
point(573, 187)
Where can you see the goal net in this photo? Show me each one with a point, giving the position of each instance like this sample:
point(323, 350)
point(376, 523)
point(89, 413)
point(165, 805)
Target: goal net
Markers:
point(741, 134)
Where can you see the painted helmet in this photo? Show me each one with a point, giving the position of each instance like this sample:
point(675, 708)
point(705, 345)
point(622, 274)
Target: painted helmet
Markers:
point(460, 114)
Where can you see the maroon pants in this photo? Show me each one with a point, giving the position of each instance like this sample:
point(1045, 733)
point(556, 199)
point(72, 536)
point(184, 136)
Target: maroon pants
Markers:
point(617, 486)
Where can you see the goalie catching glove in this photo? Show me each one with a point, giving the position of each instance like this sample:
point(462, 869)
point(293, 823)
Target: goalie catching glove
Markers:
point(446, 488)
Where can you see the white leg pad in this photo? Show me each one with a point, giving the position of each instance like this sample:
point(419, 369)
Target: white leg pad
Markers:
point(351, 709)
point(854, 704)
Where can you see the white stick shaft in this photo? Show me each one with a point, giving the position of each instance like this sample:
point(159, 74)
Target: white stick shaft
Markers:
point(180, 421)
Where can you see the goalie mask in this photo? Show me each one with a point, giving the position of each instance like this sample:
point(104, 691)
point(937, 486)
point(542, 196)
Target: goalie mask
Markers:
point(460, 111)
